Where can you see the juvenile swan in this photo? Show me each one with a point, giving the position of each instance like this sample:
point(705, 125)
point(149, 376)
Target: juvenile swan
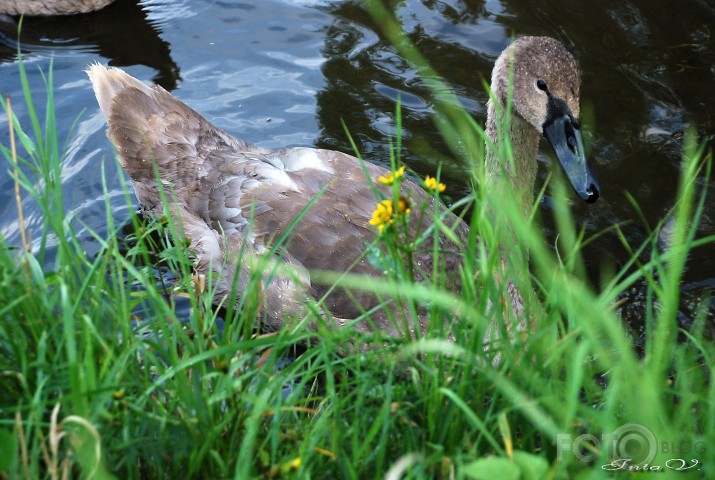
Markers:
point(51, 7)
point(235, 199)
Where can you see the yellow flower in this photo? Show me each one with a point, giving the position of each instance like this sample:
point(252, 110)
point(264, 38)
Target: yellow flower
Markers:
point(382, 216)
point(431, 184)
point(403, 205)
point(387, 211)
point(285, 468)
point(391, 177)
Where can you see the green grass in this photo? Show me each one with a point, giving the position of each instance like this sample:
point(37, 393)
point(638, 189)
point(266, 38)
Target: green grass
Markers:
point(101, 377)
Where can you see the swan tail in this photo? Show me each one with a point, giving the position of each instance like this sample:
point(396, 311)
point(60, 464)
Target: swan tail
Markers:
point(156, 134)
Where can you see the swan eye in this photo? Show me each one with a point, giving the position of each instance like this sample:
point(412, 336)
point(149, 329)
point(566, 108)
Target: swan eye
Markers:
point(541, 85)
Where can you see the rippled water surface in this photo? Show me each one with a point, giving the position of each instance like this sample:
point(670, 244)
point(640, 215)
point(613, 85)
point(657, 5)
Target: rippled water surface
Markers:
point(281, 73)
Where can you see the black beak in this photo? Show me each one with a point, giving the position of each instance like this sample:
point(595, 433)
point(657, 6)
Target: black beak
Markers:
point(563, 134)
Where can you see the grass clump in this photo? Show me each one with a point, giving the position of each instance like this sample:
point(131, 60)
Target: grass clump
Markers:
point(103, 374)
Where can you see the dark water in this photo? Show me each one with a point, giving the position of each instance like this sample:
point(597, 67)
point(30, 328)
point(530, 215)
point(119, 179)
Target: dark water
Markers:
point(281, 72)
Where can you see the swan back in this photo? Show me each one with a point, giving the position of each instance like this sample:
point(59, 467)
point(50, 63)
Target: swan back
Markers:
point(53, 7)
point(235, 200)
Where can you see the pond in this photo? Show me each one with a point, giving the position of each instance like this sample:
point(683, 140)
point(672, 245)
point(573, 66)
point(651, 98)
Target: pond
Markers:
point(285, 73)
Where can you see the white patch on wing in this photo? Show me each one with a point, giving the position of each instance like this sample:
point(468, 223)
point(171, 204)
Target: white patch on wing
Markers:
point(300, 158)
point(259, 171)
point(278, 177)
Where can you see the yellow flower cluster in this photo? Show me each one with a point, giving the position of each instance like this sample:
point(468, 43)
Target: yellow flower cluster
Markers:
point(392, 177)
point(388, 211)
point(432, 184)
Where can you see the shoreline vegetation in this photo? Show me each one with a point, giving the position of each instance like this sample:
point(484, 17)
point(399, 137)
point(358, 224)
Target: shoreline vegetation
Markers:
point(107, 373)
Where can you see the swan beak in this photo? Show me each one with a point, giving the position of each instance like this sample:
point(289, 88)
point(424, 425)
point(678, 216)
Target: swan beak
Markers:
point(564, 135)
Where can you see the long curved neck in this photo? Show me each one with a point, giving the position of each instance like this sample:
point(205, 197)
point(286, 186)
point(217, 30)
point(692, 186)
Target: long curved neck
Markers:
point(519, 167)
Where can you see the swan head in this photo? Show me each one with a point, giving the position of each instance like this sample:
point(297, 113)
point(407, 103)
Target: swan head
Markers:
point(545, 89)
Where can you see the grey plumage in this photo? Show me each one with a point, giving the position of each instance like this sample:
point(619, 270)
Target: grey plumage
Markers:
point(51, 7)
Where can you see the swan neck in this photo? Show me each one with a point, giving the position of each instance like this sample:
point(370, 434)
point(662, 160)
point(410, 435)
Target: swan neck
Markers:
point(515, 167)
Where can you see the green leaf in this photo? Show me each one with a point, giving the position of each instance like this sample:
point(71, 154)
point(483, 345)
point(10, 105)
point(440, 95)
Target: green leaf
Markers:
point(490, 468)
point(532, 467)
point(8, 445)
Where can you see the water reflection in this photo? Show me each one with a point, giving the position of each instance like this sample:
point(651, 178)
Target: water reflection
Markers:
point(120, 32)
point(365, 78)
